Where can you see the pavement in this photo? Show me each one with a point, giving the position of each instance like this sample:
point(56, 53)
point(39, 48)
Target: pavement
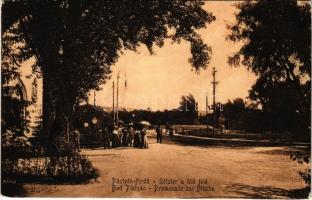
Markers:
point(173, 169)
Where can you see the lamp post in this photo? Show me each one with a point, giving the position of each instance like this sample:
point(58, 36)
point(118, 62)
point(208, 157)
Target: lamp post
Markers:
point(94, 122)
point(133, 116)
point(86, 131)
point(117, 93)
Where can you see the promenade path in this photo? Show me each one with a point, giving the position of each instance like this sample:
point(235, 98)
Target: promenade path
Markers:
point(253, 172)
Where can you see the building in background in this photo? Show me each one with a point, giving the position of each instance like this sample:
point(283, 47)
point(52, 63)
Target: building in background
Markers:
point(26, 88)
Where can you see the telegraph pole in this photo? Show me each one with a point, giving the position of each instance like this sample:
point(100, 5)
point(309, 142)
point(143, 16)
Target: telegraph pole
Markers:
point(117, 96)
point(114, 102)
point(125, 93)
point(207, 112)
point(214, 84)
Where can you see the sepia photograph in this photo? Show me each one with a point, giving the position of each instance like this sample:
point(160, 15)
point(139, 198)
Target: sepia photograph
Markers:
point(156, 99)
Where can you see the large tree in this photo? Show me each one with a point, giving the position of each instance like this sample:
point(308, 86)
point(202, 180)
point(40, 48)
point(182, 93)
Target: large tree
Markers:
point(75, 42)
point(276, 37)
point(189, 107)
point(233, 111)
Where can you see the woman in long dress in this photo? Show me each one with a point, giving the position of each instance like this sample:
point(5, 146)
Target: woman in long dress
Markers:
point(130, 136)
point(144, 139)
point(115, 138)
point(137, 138)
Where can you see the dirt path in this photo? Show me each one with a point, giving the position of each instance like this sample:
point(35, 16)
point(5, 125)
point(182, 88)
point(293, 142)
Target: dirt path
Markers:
point(226, 172)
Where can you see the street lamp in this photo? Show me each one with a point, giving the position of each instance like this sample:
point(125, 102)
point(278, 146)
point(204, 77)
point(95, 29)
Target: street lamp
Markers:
point(133, 115)
point(94, 120)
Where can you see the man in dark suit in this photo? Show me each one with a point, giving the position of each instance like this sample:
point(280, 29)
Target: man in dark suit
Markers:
point(158, 134)
point(105, 137)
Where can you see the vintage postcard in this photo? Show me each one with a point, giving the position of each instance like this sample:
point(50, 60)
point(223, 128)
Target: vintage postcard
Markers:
point(156, 99)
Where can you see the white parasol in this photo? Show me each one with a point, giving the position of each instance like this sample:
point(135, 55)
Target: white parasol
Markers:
point(145, 123)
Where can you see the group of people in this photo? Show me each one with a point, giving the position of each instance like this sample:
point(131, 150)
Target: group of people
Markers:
point(127, 136)
point(159, 131)
point(122, 136)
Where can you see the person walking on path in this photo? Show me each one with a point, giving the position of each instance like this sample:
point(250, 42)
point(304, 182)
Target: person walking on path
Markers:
point(130, 136)
point(119, 131)
point(115, 137)
point(144, 142)
point(158, 134)
point(137, 138)
point(105, 138)
point(171, 132)
point(124, 136)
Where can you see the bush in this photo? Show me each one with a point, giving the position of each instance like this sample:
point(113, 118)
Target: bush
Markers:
point(23, 161)
point(303, 158)
point(73, 168)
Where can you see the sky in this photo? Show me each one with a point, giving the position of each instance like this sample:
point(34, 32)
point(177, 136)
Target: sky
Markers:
point(158, 81)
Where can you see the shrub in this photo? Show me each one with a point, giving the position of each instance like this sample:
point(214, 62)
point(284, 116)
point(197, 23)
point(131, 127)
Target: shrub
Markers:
point(303, 158)
point(23, 161)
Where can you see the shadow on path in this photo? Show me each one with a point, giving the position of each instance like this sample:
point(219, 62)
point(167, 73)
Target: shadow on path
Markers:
point(240, 143)
point(266, 192)
point(12, 190)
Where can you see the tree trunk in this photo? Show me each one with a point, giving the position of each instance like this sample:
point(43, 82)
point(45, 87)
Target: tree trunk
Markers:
point(48, 109)
point(67, 129)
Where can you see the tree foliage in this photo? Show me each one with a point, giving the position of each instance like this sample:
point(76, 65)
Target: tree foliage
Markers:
point(188, 103)
point(76, 42)
point(276, 37)
point(189, 107)
point(233, 112)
